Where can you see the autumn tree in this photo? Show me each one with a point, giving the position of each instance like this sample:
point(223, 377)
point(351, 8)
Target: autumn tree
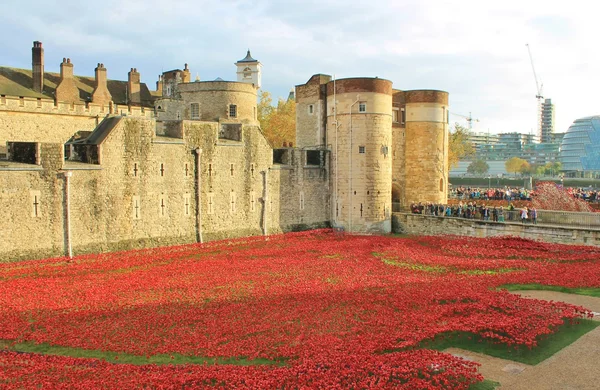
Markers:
point(459, 146)
point(278, 124)
point(516, 164)
point(478, 167)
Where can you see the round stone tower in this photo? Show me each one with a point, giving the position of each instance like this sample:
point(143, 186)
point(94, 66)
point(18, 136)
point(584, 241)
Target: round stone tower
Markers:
point(426, 146)
point(359, 133)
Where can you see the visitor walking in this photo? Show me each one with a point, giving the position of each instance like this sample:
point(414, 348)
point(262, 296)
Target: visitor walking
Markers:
point(524, 215)
point(533, 216)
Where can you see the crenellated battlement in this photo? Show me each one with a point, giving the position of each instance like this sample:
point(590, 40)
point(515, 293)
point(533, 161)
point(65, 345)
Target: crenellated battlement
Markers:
point(49, 106)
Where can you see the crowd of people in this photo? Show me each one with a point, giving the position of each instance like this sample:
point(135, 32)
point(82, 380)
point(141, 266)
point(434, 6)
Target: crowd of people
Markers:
point(506, 193)
point(471, 210)
point(516, 193)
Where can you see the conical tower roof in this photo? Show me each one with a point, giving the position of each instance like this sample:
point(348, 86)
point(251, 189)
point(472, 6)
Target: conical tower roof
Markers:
point(248, 58)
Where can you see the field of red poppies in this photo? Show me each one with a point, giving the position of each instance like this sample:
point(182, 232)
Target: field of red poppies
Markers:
point(301, 310)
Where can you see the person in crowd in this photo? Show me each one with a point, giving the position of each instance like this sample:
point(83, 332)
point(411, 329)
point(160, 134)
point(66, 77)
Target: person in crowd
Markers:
point(501, 214)
point(533, 216)
point(524, 215)
point(495, 214)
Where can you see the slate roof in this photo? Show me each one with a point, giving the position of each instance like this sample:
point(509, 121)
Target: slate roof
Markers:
point(248, 58)
point(19, 82)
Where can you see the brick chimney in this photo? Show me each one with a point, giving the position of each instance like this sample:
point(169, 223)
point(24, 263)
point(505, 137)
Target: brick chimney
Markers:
point(67, 90)
point(37, 64)
point(133, 87)
point(101, 95)
point(159, 84)
point(186, 77)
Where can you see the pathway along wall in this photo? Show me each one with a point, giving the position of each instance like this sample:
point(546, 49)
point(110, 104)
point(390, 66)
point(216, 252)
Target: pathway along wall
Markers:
point(434, 226)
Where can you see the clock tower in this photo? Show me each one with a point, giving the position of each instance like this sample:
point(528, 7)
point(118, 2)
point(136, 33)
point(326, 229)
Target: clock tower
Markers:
point(249, 71)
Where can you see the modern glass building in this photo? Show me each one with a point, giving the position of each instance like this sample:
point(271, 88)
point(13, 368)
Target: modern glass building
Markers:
point(580, 148)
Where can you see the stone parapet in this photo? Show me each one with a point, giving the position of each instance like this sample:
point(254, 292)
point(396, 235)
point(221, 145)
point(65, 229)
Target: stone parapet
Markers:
point(432, 225)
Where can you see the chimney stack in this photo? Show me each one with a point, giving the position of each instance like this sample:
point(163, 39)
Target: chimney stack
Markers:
point(187, 77)
point(133, 87)
point(37, 64)
point(67, 90)
point(101, 95)
point(159, 84)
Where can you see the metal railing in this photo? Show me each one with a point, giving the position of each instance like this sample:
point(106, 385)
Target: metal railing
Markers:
point(544, 217)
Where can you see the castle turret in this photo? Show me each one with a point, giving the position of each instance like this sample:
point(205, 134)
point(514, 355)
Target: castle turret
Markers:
point(359, 130)
point(101, 95)
point(67, 90)
point(426, 139)
point(133, 87)
point(249, 70)
point(37, 64)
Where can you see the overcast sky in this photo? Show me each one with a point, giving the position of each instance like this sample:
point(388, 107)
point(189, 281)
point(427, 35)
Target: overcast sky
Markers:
point(475, 50)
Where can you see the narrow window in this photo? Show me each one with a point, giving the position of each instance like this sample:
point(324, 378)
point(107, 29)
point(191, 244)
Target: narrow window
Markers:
point(402, 116)
point(232, 111)
point(210, 170)
point(136, 170)
point(136, 212)
point(186, 170)
point(361, 149)
point(39, 102)
point(252, 168)
point(395, 115)
point(232, 203)
point(231, 169)
point(252, 201)
point(195, 111)
point(162, 206)
point(35, 203)
point(362, 107)
point(210, 202)
point(2, 99)
point(311, 109)
point(162, 169)
point(301, 200)
point(187, 204)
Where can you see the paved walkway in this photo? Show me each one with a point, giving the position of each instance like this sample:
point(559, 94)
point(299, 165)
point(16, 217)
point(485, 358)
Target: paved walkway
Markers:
point(575, 367)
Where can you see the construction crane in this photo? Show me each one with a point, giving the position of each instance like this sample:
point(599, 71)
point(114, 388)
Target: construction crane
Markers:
point(469, 119)
point(539, 96)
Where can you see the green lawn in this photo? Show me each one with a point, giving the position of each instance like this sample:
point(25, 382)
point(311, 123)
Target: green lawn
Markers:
point(485, 385)
point(590, 291)
point(547, 346)
point(115, 357)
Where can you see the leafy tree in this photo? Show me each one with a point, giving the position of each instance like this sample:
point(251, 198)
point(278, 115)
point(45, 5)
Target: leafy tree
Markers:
point(278, 124)
point(478, 167)
point(459, 146)
point(515, 165)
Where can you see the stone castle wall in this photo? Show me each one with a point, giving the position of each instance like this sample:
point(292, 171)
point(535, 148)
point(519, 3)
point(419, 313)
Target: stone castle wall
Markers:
point(144, 193)
point(432, 225)
point(41, 120)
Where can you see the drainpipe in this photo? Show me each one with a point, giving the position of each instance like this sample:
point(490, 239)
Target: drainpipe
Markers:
point(68, 244)
point(350, 168)
point(199, 195)
point(265, 201)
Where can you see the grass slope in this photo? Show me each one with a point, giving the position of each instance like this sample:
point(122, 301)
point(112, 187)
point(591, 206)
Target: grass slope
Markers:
point(589, 291)
point(547, 346)
point(116, 357)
